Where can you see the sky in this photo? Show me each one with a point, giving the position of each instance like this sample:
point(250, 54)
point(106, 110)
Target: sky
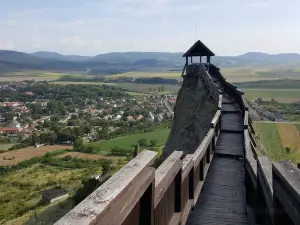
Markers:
point(91, 27)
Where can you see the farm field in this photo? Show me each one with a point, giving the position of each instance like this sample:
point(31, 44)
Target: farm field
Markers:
point(32, 75)
point(16, 156)
point(280, 95)
point(270, 72)
point(127, 142)
point(129, 87)
point(297, 126)
point(89, 156)
point(136, 74)
point(5, 147)
point(275, 137)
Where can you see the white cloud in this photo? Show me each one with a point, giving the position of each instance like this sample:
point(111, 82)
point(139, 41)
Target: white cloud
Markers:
point(259, 3)
point(9, 45)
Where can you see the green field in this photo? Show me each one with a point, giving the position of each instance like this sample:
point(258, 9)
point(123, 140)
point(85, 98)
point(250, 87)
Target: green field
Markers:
point(133, 89)
point(136, 74)
point(250, 73)
point(127, 142)
point(297, 126)
point(32, 74)
point(5, 147)
point(271, 141)
point(280, 95)
point(274, 141)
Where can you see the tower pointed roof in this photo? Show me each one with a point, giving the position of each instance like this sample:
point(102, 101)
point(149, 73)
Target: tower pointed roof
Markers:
point(199, 49)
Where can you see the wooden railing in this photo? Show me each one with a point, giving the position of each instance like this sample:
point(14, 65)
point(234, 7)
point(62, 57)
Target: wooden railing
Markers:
point(140, 195)
point(272, 188)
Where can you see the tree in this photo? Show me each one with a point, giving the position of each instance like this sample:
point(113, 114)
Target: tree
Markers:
point(143, 142)
point(153, 143)
point(78, 145)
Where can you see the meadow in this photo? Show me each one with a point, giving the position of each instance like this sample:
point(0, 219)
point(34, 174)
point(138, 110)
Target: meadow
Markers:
point(89, 156)
point(16, 156)
point(126, 143)
point(276, 137)
point(33, 75)
point(5, 146)
point(137, 74)
point(130, 88)
point(280, 95)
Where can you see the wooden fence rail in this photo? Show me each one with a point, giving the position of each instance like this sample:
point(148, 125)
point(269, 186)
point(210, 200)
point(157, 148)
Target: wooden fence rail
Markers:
point(140, 195)
point(274, 186)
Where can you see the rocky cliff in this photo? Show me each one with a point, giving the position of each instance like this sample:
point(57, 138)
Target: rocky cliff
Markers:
point(196, 105)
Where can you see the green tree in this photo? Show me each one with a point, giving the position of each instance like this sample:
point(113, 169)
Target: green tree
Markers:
point(153, 143)
point(143, 142)
point(78, 145)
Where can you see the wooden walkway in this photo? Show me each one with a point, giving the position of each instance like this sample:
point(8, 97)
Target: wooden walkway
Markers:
point(222, 200)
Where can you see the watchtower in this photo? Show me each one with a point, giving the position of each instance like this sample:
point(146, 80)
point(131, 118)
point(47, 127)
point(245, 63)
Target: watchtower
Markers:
point(197, 50)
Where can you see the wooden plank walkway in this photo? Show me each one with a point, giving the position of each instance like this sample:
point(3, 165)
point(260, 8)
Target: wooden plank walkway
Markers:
point(222, 200)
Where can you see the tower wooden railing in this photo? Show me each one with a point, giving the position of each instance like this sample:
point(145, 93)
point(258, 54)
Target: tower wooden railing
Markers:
point(140, 195)
point(272, 188)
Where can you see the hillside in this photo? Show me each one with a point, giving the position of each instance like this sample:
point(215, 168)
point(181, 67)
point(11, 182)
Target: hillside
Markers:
point(127, 61)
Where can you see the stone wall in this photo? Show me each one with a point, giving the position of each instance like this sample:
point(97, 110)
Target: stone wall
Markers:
point(196, 105)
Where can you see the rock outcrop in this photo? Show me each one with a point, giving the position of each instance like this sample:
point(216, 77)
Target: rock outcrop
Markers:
point(196, 105)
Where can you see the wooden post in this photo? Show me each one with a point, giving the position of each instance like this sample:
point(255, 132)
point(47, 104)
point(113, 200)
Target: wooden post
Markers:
point(201, 167)
point(286, 193)
point(147, 206)
point(186, 61)
point(178, 181)
point(191, 59)
point(298, 165)
point(136, 150)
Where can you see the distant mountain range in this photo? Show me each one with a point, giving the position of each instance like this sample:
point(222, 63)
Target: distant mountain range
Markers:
point(126, 61)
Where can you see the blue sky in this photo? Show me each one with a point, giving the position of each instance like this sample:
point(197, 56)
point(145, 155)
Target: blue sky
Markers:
point(90, 27)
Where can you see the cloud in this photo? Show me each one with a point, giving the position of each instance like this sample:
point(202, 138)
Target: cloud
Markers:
point(9, 45)
point(259, 3)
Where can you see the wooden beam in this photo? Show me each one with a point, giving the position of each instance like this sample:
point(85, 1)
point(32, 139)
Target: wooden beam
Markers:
point(286, 192)
point(165, 174)
point(201, 150)
point(216, 118)
point(187, 166)
point(246, 122)
point(119, 194)
point(220, 102)
point(245, 103)
point(264, 202)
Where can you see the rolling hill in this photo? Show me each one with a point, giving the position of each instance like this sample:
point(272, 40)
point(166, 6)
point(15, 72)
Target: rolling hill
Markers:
point(127, 61)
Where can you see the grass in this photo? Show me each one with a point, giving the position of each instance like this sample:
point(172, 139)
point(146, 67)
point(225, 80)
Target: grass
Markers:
point(129, 87)
point(297, 126)
point(280, 95)
point(275, 137)
point(289, 135)
point(16, 156)
point(271, 141)
point(32, 74)
point(89, 156)
point(20, 190)
point(137, 74)
point(127, 142)
point(5, 146)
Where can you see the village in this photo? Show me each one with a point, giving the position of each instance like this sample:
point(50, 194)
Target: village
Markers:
point(31, 113)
